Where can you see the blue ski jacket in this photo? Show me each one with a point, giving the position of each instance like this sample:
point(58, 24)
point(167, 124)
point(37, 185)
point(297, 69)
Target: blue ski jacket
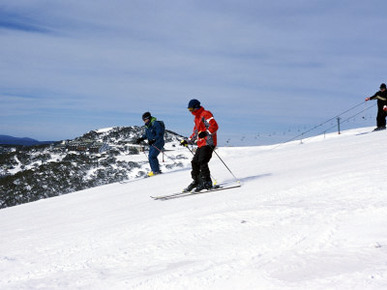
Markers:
point(155, 130)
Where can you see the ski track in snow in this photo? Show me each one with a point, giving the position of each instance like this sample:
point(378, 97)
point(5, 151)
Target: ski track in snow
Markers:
point(310, 216)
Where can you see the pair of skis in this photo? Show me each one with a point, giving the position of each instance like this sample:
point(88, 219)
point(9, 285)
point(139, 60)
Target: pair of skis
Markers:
point(190, 193)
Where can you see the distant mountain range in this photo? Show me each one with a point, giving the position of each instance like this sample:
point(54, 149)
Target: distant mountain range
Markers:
point(10, 140)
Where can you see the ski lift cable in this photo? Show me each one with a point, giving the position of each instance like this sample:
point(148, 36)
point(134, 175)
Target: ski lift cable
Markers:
point(349, 118)
point(346, 120)
point(323, 123)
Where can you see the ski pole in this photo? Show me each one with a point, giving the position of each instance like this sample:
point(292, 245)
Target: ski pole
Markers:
point(143, 150)
point(162, 152)
point(236, 179)
point(189, 150)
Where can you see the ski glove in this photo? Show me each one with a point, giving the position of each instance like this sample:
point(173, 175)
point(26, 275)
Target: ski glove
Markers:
point(184, 143)
point(151, 142)
point(202, 134)
point(139, 140)
point(385, 108)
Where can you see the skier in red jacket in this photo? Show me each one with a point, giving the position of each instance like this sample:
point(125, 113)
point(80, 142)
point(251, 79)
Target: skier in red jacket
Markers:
point(204, 136)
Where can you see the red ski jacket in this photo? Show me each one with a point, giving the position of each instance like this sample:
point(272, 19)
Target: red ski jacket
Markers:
point(204, 122)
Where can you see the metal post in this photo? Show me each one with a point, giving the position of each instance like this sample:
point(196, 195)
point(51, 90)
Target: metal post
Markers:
point(338, 125)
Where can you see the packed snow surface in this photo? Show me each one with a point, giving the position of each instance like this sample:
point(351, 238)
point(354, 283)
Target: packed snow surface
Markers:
point(308, 216)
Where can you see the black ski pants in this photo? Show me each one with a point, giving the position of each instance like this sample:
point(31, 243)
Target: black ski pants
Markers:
point(200, 170)
point(381, 118)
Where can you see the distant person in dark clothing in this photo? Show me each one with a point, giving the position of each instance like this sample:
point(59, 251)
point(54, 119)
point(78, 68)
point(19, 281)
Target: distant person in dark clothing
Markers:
point(381, 96)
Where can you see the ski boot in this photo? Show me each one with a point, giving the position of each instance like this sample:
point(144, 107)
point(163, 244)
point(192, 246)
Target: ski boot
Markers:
point(204, 185)
point(150, 174)
point(190, 187)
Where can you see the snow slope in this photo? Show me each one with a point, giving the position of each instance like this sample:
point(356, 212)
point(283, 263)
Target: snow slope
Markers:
point(308, 216)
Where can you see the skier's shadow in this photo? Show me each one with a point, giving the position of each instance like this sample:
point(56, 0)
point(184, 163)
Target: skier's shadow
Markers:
point(249, 178)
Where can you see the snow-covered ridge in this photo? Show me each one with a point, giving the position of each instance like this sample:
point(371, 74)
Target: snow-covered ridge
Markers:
point(98, 157)
point(308, 216)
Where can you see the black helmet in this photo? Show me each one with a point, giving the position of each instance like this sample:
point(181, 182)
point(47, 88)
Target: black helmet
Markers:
point(194, 104)
point(383, 86)
point(146, 116)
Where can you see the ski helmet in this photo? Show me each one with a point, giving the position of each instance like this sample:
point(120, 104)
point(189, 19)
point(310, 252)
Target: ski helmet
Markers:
point(383, 86)
point(146, 116)
point(194, 104)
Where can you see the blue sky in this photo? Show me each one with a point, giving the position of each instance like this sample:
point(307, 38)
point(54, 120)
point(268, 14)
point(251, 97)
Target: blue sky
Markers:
point(68, 67)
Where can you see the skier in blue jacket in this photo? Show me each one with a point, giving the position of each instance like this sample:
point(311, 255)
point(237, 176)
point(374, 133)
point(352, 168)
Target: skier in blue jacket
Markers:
point(154, 133)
